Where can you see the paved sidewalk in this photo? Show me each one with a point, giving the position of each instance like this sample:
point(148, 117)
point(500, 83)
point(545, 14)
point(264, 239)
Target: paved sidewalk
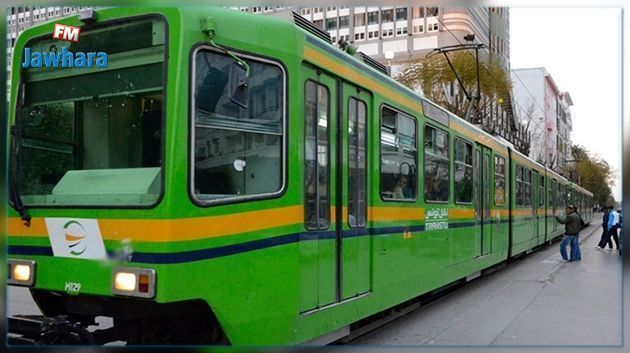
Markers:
point(536, 301)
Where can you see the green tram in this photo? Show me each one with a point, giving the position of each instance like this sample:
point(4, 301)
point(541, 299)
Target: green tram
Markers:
point(236, 179)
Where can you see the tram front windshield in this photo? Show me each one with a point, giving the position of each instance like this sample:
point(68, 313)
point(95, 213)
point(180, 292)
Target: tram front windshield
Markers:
point(92, 136)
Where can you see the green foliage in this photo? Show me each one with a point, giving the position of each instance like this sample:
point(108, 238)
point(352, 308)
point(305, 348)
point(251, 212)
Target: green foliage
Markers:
point(595, 175)
point(435, 77)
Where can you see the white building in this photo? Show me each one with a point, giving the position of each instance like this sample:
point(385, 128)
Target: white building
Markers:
point(410, 32)
point(540, 105)
point(21, 17)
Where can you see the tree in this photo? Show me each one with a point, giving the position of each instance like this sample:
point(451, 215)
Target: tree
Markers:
point(494, 111)
point(439, 82)
point(594, 174)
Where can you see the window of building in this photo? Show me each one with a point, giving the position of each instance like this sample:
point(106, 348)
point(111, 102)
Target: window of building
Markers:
point(370, 35)
point(331, 23)
point(238, 151)
point(372, 17)
point(387, 15)
point(359, 19)
point(398, 156)
point(357, 163)
point(463, 171)
point(401, 31)
point(418, 12)
point(317, 155)
point(499, 181)
point(432, 11)
point(436, 168)
point(319, 23)
point(343, 21)
point(401, 14)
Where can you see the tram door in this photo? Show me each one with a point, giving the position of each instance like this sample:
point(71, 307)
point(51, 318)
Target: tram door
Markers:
point(334, 249)
point(535, 201)
point(355, 255)
point(482, 159)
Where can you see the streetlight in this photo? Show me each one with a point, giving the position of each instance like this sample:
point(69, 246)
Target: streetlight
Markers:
point(389, 55)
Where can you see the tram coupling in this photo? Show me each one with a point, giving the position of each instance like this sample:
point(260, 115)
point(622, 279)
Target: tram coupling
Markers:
point(41, 330)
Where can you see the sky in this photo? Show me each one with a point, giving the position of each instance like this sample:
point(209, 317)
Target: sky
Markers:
point(581, 50)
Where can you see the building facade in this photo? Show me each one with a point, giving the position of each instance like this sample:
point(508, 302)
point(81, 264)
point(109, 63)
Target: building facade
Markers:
point(545, 110)
point(410, 32)
point(21, 17)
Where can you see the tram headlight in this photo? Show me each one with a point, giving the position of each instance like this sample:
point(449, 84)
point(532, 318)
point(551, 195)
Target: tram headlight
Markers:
point(21, 272)
point(134, 282)
point(125, 281)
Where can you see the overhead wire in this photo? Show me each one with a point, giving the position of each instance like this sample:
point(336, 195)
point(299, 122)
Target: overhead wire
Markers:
point(537, 124)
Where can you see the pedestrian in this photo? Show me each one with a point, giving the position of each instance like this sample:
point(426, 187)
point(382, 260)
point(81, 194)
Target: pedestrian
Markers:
point(573, 224)
point(602, 239)
point(612, 223)
point(615, 225)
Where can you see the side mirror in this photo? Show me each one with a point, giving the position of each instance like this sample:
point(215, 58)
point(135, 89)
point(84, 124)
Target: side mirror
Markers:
point(239, 88)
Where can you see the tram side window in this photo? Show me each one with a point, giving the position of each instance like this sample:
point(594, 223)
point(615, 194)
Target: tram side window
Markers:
point(527, 177)
point(554, 194)
point(357, 163)
point(398, 156)
point(238, 151)
point(316, 168)
point(436, 169)
point(499, 181)
point(520, 192)
point(541, 192)
point(463, 171)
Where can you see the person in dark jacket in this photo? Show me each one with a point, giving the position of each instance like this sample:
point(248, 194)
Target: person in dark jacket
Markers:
point(572, 225)
point(602, 239)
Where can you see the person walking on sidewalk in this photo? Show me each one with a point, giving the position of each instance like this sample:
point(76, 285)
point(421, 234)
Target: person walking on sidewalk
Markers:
point(602, 239)
point(611, 230)
point(614, 226)
point(572, 226)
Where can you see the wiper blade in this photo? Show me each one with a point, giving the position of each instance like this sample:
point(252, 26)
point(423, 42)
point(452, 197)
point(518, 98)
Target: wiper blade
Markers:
point(14, 194)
